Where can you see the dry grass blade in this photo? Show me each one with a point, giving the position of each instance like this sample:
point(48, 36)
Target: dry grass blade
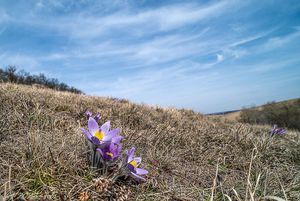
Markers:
point(281, 187)
point(274, 198)
point(229, 198)
point(236, 194)
point(214, 183)
point(249, 185)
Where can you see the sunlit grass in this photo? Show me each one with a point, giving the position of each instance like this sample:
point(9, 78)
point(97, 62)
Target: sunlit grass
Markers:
point(189, 156)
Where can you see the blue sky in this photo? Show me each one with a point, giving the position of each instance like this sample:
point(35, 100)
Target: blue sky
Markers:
point(208, 56)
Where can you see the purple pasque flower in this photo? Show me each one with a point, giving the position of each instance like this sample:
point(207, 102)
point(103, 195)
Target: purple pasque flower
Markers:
point(132, 164)
point(110, 152)
point(89, 114)
point(101, 135)
point(281, 131)
point(277, 130)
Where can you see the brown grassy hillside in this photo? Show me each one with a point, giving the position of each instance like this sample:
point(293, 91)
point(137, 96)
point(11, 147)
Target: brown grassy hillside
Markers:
point(283, 111)
point(189, 156)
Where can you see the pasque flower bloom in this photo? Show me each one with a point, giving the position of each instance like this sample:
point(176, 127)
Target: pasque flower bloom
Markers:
point(101, 135)
point(90, 114)
point(105, 148)
point(110, 152)
point(132, 164)
point(277, 130)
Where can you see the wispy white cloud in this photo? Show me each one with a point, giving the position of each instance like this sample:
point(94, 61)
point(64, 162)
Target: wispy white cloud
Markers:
point(272, 64)
point(152, 51)
point(235, 53)
point(220, 57)
point(87, 26)
point(144, 22)
point(249, 39)
point(279, 41)
point(148, 81)
point(18, 60)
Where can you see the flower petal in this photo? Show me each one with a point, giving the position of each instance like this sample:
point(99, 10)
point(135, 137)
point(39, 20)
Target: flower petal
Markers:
point(93, 125)
point(138, 160)
point(114, 132)
point(141, 171)
point(126, 157)
point(116, 140)
point(131, 168)
point(131, 154)
point(107, 139)
point(87, 134)
point(137, 177)
point(281, 131)
point(88, 114)
point(95, 140)
point(105, 127)
point(111, 147)
point(118, 150)
point(97, 117)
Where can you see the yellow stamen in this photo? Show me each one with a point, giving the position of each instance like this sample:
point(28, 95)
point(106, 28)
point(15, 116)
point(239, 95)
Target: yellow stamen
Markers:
point(133, 163)
point(110, 154)
point(99, 135)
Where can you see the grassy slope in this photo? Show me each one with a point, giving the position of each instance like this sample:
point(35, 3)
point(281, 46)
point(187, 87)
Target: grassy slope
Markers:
point(43, 148)
point(234, 116)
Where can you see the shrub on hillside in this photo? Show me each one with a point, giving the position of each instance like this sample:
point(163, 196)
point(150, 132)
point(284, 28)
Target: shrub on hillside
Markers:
point(285, 114)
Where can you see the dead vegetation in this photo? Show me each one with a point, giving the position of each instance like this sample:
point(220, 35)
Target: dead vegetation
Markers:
point(189, 156)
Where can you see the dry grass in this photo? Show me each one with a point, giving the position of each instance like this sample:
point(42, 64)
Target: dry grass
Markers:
point(229, 117)
point(234, 116)
point(190, 156)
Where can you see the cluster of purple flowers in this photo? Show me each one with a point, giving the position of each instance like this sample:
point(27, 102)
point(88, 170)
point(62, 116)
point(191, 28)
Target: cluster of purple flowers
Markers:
point(105, 148)
point(277, 131)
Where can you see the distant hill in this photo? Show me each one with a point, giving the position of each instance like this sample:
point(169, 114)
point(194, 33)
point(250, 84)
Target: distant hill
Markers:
point(189, 156)
point(223, 113)
point(285, 113)
point(10, 74)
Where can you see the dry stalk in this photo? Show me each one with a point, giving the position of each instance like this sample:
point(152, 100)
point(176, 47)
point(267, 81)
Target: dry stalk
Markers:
point(214, 183)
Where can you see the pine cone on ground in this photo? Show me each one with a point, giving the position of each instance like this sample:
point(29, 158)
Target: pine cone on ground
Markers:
point(121, 193)
point(112, 191)
point(102, 185)
point(83, 196)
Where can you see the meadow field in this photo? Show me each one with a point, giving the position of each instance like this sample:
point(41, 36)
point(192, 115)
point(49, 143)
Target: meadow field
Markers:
point(189, 156)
